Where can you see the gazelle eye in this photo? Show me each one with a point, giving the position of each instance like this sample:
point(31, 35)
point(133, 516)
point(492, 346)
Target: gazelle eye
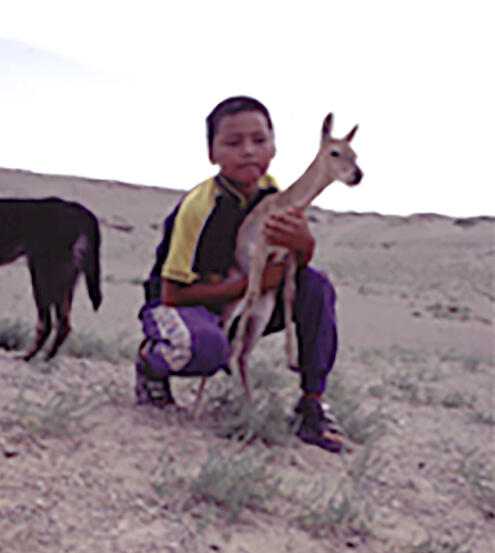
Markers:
point(334, 153)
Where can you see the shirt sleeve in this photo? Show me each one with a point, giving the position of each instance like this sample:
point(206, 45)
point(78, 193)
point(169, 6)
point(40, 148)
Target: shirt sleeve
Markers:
point(188, 226)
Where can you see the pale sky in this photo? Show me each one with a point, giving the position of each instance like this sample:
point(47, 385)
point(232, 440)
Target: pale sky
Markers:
point(119, 90)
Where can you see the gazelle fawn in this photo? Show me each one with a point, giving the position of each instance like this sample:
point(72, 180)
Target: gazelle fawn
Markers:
point(335, 160)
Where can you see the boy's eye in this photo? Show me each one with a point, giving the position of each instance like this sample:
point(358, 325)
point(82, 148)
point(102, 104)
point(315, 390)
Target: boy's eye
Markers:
point(260, 140)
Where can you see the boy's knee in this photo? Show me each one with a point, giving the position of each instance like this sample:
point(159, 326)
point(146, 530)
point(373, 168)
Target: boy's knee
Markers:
point(211, 349)
point(317, 283)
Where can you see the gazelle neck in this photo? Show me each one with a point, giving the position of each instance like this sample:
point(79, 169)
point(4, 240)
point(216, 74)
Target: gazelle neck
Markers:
point(302, 192)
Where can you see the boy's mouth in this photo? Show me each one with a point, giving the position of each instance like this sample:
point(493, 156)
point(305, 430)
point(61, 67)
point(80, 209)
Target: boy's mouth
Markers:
point(249, 165)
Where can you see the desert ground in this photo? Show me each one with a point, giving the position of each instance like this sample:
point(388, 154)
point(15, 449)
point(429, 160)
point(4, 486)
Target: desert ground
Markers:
point(84, 469)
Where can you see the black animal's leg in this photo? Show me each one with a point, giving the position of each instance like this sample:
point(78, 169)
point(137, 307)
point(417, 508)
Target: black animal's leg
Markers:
point(43, 329)
point(62, 312)
point(42, 298)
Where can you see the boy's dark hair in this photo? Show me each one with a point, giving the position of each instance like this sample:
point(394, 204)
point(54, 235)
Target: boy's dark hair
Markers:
point(232, 105)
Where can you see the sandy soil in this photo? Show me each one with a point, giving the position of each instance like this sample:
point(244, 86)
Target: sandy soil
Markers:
point(82, 468)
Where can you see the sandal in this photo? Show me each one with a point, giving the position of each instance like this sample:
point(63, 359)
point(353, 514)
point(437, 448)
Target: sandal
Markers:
point(151, 389)
point(317, 425)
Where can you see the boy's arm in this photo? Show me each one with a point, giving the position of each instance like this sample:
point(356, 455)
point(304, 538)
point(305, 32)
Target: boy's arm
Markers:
point(291, 230)
point(212, 295)
point(216, 295)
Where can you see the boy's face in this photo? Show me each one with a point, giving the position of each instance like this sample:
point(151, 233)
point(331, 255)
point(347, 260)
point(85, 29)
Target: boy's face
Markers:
point(243, 146)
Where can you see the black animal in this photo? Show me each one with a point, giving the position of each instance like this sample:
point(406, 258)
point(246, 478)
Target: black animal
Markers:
point(60, 240)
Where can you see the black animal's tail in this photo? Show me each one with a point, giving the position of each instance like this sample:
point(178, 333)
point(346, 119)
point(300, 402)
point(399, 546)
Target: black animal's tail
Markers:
point(92, 263)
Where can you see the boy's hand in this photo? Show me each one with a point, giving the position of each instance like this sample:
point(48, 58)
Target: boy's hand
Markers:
point(290, 230)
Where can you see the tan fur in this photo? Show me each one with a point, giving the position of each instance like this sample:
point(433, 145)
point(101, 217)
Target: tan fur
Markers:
point(335, 160)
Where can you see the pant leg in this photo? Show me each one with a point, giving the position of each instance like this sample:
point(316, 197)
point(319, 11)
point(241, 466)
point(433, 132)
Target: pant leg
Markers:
point(209, 345)
point(184, 341)
point(316, 327)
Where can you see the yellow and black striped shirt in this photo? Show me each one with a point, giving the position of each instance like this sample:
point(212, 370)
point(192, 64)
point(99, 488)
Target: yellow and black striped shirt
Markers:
point(203, 227)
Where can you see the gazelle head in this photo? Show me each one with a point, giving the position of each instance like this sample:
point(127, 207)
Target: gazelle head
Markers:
point(337, 155)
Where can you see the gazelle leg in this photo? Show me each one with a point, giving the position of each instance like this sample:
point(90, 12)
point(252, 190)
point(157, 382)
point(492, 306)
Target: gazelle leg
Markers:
point(244, 376)
point(252, 293)
point(289, 295)
point(261, 314)
point(199, 396)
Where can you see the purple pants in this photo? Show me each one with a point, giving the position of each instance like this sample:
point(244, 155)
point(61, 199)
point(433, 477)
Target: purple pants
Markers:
point(189, 341)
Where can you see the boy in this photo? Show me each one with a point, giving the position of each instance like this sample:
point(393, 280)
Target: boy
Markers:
point(188, 286)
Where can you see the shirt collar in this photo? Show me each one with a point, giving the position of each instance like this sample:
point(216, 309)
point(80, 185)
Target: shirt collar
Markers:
point(226, 184)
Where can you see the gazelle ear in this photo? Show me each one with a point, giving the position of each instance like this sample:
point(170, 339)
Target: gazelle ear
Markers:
point(326, 130)
point(351, 134)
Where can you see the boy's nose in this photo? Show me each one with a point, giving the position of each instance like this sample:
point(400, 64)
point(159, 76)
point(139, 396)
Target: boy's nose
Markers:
point(247, 147)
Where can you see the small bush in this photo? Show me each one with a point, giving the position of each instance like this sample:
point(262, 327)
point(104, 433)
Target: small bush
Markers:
point(63, 413)
point(439, 545)
point(236, 480)
point(456, 400)
point(14, 335)
point(233, 478)
point(349, 506)
point(345, 403)
point(263, 420)
point(89, 344)
point(480, 476)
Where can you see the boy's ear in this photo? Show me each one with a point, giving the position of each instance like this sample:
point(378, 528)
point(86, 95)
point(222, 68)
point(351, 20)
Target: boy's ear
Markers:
point(210, 155)
point(274, 149)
